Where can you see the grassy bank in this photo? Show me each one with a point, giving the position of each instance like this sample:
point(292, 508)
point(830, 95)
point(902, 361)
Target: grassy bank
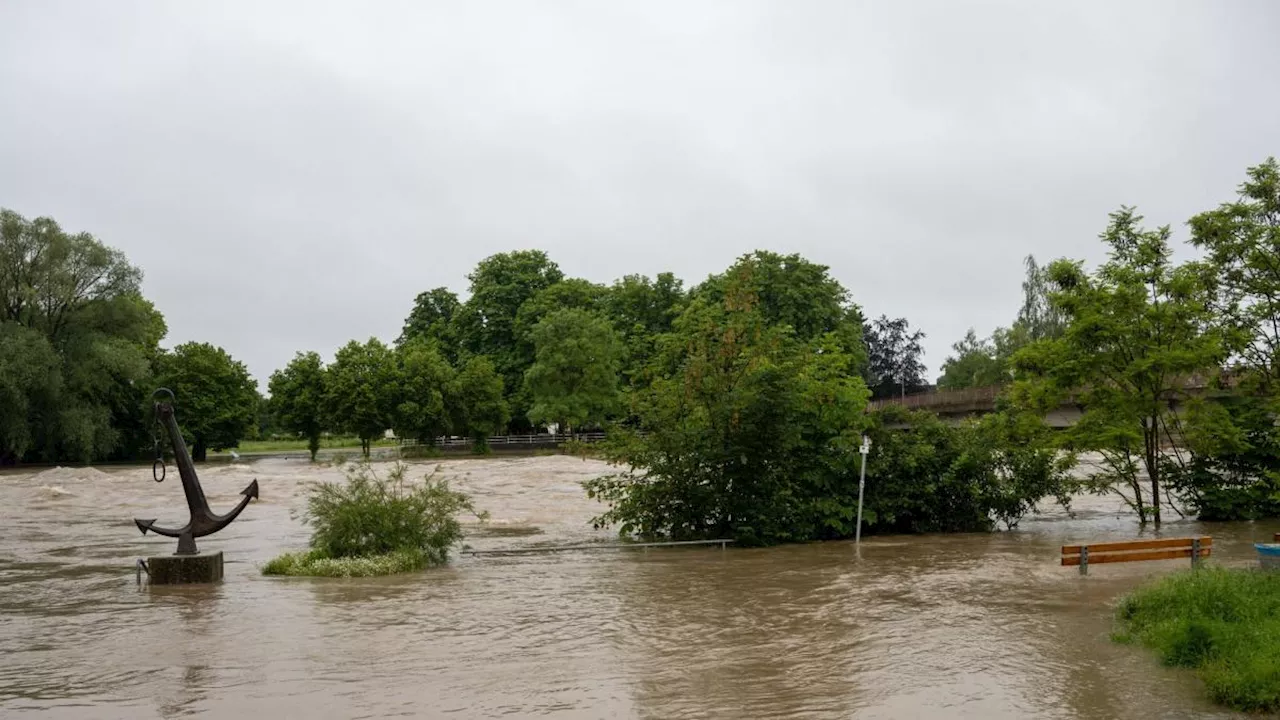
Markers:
point(1223, 623)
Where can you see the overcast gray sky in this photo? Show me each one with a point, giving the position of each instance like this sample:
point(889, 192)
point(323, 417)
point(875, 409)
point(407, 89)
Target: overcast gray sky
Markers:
point(290, 174)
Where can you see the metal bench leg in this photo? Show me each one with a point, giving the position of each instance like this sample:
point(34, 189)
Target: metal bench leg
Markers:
point(1084, 559)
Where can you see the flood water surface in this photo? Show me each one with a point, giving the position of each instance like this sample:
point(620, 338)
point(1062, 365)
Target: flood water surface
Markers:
point(959, 626)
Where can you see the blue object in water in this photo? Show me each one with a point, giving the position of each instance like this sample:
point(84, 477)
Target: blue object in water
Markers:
point(1268, 555)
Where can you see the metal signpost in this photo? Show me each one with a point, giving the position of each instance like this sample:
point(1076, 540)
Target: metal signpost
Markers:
point(862, 481)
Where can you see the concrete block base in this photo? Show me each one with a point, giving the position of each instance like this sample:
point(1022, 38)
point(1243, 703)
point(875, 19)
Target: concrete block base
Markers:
point(185, 569)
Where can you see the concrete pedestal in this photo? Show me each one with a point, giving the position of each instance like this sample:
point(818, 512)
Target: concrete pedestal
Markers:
point(185, 569)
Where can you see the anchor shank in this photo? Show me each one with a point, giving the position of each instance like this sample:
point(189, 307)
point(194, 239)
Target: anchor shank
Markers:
point(196, 501)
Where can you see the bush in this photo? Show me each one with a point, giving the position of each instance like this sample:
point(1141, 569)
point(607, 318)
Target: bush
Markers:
point(1223, 623)
point(372, 525)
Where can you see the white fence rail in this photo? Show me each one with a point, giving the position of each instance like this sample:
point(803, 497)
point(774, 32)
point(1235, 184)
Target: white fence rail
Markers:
point(535, 440)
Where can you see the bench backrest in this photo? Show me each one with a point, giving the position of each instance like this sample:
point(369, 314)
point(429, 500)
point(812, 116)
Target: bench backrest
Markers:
point(1133, 550)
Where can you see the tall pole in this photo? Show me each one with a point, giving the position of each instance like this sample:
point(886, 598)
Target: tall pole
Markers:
point(862, 482)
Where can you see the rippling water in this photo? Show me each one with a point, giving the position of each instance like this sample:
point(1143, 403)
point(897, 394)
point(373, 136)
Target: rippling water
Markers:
point(978, 626)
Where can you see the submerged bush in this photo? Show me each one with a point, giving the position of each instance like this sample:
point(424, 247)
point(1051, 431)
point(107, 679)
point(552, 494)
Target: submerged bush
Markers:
point(372, 525)
point(1223, 623)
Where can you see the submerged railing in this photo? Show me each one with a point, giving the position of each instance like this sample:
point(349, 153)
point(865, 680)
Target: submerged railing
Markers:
point(596, 546)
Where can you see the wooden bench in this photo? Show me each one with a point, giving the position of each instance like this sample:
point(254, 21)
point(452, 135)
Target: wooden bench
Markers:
point(1133, 550)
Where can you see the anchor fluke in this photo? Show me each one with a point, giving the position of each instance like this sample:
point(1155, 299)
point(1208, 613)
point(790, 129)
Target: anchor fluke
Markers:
point(252, 490)
point(144, 525)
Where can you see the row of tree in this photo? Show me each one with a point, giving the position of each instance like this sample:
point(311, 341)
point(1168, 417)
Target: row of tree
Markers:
point(1175, 366)
point(530, 348)
point(80, 353)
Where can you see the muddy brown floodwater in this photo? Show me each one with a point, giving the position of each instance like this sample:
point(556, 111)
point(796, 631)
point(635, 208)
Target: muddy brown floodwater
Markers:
point(959, 626)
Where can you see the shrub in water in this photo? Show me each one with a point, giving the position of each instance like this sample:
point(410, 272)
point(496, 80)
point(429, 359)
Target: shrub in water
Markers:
point(372, 525)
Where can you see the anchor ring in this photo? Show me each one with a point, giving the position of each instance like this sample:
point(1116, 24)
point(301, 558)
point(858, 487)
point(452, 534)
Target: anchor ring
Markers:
point(163, 471)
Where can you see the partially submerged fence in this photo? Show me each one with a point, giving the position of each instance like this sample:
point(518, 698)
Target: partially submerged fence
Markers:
point(595, 546)
point(532, 440)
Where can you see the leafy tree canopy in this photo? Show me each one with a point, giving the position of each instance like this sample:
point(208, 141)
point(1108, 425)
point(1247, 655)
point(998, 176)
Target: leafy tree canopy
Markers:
point(216, 402)
point(574, 378)
point(298, 396)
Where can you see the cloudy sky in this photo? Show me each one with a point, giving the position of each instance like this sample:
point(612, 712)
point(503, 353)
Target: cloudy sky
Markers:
point(290, 174)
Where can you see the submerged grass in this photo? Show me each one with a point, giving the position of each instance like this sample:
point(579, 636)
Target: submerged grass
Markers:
point(317, 564)
point(1223, 623)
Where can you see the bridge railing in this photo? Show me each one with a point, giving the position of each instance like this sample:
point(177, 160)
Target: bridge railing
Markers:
point(935, 399)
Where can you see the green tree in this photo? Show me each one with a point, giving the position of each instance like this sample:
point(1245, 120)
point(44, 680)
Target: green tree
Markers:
point(432, 319)
point(893, 358)
point(299, 396)
point(1234, 442)
point(216, 401)
point(641, 310)
point(83, 298)
point(1135, 334)
point(1039, 316)
point(746, 430)
point(486, 322)
point(927, 475)
point(975, 364)
point(574, 378)
point(362, 390)
point(425, 378)
point(29, 379)
point(477, 400)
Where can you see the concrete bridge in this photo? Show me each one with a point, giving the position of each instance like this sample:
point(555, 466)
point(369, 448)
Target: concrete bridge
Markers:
point(956, 405)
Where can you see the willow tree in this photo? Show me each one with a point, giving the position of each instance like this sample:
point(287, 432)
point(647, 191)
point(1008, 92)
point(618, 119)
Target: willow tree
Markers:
point(1136, 334)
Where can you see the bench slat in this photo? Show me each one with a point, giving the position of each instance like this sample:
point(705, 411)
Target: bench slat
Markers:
point(1071, 560)
point(1136, 545)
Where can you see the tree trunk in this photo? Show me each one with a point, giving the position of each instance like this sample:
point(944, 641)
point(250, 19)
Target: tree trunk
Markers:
point(1151, 440)
point(364, 447)
point(200, 451)
point(313, 444)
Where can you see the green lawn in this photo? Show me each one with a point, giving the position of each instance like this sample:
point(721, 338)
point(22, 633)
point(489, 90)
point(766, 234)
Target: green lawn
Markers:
point(1223, 623)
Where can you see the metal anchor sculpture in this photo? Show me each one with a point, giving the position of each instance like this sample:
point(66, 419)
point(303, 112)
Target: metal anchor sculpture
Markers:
point(203, 521)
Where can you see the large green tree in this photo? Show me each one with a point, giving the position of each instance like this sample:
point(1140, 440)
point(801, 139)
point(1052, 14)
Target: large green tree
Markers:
point(425, 382)
point(894, 365)
point(215, 399)
point(574, 378)
point(479, 408)
point(486, 322)
point(298, 397)
point(641, 310)
point(974, 364)
point(1137, 332)
point(744, 432)
point(1233, 438)
point(363, 390)
point(82, 297)
point(432, 319)
point(29, 381)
